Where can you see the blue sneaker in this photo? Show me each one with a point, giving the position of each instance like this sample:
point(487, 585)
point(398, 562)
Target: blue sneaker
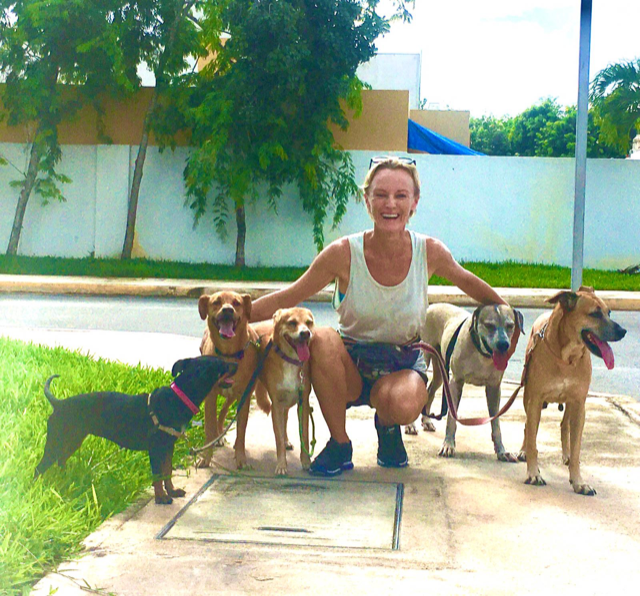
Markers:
point(333, 459)
point(391, 451)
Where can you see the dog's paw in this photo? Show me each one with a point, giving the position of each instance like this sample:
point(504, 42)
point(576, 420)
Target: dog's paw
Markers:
point(305, 461)
point(522, 456)
point(163, 500)
point(410, 429)
point(505, 456)
point(447, 450)
point(288, 445)
point(203, 462)
point(177, 493)
point(281, 469)
point(428, 426)
point(583, 489)
point(536, 480)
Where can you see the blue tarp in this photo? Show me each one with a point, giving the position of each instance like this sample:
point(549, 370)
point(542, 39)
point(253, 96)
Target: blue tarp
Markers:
point(423, 139)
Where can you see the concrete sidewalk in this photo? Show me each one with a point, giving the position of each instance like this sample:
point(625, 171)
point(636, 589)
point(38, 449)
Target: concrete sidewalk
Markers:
point(94, 286)
point(469, 525)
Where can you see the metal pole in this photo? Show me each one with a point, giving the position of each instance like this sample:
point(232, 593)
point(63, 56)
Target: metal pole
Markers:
point(581, 144)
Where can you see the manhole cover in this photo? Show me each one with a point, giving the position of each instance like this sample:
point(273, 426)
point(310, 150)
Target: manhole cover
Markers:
point(292, 511)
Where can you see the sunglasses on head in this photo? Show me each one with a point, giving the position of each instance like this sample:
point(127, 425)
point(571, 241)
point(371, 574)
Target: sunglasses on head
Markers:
point(382, 158)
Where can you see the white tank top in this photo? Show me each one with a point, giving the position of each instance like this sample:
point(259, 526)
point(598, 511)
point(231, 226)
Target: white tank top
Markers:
point(371, 312)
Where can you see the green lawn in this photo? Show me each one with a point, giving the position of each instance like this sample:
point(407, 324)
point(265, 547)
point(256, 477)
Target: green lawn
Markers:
point(505, 274)
point(43, 522)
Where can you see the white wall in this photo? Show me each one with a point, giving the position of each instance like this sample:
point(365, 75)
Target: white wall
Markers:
point(394, 71)
point(483, 208)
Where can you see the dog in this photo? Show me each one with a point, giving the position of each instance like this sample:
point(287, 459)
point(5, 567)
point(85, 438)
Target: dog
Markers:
point(145, 422)
point(558, 370)
point(285, 377)
point(228, 335)
point(478, 354)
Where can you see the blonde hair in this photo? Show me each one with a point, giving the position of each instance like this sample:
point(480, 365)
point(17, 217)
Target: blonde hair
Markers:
point(392, 163)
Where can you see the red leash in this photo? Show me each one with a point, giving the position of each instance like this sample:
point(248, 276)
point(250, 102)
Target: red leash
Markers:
point(437, 359)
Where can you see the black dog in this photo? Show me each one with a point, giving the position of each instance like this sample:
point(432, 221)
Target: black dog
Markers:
point(146, 422)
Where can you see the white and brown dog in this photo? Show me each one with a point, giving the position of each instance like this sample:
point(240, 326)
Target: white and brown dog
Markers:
point(229, 336)
point(476, 349)
point(285, 376)
point(558, 370)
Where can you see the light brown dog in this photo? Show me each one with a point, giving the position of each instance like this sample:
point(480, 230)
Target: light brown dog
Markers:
point(285, 377)
point(558, 370)
point(229, 336)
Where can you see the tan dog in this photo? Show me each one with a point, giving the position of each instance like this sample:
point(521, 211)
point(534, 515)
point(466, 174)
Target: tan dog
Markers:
point(558, 370)
point(285, 377)
point(479, 356)
point(229, 336)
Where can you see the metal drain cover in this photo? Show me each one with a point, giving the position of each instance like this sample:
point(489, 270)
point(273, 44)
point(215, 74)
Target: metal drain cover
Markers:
point(293, 511)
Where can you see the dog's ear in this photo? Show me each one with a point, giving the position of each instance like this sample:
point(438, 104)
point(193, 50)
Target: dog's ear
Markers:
point(203, 306)
point(519, 320)
point(178, 367)
point(566, 299)
point(246, 302)
point(588, 289)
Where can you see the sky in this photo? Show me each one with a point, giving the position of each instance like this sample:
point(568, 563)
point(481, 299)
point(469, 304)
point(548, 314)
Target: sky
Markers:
point(499, 57)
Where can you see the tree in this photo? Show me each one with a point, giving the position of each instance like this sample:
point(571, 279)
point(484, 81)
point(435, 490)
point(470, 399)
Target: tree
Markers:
point(615, 96)
point(167, 36)
point(490, 135)
point(260, 111)
point(44, 45)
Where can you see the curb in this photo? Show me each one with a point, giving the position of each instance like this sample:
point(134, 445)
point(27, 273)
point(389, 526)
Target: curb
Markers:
point(194, 288)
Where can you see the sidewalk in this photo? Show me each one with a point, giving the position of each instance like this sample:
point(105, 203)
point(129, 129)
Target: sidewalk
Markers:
point(469, 525)
point(95, 286)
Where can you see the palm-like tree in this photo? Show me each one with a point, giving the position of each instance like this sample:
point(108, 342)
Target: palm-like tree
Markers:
point(615, 96)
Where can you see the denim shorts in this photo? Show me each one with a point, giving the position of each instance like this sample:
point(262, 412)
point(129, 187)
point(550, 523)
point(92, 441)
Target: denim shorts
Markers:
point(376, 360)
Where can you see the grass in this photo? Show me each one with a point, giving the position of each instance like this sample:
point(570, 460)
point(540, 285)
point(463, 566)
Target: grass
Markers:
point(508, 274)
point(43, 522)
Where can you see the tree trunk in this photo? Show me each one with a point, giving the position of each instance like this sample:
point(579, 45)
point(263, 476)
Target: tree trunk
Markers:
point(134, 193)
point(25, 193)
point(242, 234)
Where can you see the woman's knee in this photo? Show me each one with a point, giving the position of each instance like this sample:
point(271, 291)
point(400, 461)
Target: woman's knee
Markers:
point(400, 400)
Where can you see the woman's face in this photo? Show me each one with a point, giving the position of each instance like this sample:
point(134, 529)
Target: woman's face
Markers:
point(391, 199)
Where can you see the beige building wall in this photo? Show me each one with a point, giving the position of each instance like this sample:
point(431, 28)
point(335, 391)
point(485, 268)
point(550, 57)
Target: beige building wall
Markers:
point(453, 124)
point(381, 126)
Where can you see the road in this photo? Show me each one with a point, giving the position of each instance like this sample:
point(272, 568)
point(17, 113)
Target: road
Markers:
point(180, 316)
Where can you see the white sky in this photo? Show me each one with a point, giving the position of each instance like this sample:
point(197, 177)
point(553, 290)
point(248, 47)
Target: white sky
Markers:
point(502, 56)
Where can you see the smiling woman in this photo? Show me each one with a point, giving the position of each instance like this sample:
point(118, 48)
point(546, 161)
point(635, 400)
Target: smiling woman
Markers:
point(381, 278)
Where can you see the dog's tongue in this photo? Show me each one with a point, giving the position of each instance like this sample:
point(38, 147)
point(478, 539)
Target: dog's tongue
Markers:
point(500, 360)
point(303, 352)
point(226, 329)
point(605, 350)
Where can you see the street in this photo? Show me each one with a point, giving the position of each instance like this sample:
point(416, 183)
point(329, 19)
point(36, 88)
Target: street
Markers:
point(179, 316)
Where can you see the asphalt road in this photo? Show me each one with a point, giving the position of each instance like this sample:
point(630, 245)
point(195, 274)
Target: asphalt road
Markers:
point(180, 316)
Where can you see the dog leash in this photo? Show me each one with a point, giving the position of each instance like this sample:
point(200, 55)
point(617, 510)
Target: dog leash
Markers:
point(447, 391)
point(247, 393)
point(447, 364)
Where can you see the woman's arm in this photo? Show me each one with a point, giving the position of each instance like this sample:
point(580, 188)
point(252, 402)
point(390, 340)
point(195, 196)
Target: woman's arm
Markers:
point(324, 269)
point(442, 264)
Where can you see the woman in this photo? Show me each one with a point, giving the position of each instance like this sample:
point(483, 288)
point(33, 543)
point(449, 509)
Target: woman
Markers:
point(381, 280)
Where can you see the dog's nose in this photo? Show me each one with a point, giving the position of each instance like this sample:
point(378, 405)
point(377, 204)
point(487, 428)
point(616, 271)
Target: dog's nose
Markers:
point(502, 346)
point(305, 334)
point(620, 331)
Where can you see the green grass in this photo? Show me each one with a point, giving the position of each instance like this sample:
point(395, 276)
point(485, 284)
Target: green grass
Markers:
point(508, 274)
point(43, 522)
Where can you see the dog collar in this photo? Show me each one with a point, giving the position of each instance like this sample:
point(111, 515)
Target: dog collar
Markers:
point(287, 358)
point(185, 400)
point(236, 356)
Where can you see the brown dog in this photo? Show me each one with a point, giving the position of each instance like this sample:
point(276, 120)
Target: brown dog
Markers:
point(228, 336)
point(558, 370)
point(286, 378)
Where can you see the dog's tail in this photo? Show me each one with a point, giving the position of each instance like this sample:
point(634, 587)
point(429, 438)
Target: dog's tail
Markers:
point(262, 398)
point(53, 400)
